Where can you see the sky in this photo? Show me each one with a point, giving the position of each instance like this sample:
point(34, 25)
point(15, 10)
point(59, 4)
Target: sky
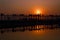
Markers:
point(28, 6)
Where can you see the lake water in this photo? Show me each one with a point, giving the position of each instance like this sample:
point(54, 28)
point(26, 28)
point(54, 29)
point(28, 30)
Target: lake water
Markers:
point(35, 33)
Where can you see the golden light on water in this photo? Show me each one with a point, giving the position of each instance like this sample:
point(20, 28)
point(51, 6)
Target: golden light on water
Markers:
point(39, 32)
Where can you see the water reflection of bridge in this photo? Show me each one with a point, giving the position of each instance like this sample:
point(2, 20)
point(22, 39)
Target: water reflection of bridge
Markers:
point(29, 28)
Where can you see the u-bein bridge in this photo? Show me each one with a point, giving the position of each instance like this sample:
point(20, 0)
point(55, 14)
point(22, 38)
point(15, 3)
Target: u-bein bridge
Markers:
point(12, 21)
point(30, 16)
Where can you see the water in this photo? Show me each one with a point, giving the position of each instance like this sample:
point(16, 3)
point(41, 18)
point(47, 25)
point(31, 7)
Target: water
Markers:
point(39, 32)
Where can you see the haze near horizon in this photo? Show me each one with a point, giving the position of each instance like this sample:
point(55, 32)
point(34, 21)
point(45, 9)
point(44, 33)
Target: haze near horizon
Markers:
point(29, 6)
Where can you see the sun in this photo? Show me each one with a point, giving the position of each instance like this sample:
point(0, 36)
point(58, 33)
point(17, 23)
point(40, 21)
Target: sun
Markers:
point(38, 12)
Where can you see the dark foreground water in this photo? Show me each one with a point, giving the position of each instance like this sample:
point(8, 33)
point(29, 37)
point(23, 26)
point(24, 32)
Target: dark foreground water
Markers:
point(39, 32)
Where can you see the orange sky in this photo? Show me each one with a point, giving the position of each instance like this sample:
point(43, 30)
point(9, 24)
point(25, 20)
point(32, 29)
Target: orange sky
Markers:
point(29, 6)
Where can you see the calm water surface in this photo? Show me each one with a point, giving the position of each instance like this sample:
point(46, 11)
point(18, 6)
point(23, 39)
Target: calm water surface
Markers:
point(46, 34)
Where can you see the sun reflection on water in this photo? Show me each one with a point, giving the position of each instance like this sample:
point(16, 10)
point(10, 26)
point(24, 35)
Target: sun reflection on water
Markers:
point(39, 31)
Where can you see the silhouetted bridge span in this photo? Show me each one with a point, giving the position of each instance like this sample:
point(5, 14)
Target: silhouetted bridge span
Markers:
point(27, 22)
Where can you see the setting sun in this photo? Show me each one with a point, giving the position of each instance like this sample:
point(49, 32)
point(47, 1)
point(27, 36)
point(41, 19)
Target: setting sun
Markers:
point(38, 11)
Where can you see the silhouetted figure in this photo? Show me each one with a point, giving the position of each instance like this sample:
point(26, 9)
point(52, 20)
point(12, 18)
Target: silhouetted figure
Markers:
point(30, 15)
point(2, 15)
point(2, 31)
point(14, 16)
point(21, 14)
point(13, 30)
point(8, 18)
